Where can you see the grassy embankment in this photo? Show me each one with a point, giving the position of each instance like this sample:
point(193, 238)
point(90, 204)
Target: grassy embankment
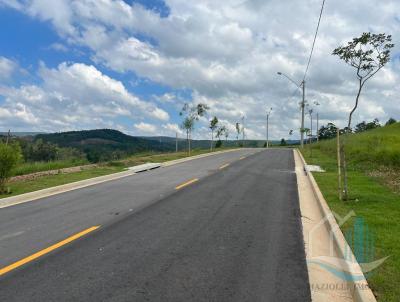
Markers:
point(374, 188)
point(25, 186)
point(28, 168)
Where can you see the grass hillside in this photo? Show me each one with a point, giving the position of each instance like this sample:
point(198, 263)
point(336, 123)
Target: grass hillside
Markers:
point(377, 147)
point(374, 190)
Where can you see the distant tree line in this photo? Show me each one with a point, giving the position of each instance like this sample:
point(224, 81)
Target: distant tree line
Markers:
point(330, 130)
point(42, 151)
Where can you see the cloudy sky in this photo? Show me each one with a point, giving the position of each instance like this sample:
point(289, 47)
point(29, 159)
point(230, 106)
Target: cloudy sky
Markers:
point(131, 65)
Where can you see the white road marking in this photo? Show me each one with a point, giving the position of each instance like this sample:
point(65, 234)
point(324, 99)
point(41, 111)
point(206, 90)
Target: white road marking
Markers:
point(8, 236)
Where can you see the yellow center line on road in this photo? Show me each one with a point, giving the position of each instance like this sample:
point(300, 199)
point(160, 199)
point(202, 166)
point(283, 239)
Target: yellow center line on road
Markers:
point(41, 253)
point(224, 166)
point(186, 183)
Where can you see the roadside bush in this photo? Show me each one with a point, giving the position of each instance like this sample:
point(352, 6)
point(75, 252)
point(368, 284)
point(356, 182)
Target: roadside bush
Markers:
point(10, 155)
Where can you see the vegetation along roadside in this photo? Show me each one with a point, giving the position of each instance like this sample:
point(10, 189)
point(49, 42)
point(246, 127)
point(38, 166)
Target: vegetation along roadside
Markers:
point(374, 177)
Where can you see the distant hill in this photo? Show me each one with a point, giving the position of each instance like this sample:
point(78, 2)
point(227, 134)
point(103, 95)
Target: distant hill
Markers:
point(104, 144)
point(108, 144)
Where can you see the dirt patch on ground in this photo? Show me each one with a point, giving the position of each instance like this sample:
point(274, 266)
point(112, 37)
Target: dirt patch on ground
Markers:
point(52, 172)
point(389, 176)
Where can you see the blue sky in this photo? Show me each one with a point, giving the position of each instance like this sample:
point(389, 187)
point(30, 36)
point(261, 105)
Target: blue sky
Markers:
point(131, 65)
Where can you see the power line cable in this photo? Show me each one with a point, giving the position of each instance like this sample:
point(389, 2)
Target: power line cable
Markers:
point(315, 38)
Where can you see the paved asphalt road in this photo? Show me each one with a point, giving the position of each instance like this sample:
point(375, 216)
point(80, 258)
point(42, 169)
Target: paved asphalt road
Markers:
point(235, 235)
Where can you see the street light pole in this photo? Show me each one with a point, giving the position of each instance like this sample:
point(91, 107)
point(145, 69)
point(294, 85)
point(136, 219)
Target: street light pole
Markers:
point(303, 103)
point(243, 131)
point(267, 131)
point(317, 104)
point(311, 124)
point(268, 114)
point(317, 127)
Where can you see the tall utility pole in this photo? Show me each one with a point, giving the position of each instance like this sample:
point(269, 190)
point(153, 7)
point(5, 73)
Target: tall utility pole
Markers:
point(243, 131)
point(317, 127)
point(317, 104)
point(268, 114)
point(302, 104)
point(311, 124)
point(8, 137)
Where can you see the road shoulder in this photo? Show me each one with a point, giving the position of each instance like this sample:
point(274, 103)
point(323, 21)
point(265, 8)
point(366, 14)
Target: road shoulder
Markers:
point(321, 237)
point(35, 195)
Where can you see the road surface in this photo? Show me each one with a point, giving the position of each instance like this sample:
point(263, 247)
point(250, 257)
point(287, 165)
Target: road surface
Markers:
point(221, 228)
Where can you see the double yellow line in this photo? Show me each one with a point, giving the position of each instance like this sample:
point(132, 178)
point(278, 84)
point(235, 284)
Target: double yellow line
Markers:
point(41, 253)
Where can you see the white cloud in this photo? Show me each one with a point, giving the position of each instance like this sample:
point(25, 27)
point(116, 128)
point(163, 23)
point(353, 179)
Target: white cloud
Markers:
point(7, 68)
point(59, 47)
point(74, 96)
point(146, 128)
point(172, 129)
point(228, 53)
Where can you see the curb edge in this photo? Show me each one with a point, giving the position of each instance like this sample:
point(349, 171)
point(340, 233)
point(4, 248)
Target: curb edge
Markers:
point(359, 295)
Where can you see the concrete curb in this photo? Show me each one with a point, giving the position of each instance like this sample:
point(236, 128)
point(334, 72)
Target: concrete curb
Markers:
point(144, 167)
point(31, 196)
point(360, 293)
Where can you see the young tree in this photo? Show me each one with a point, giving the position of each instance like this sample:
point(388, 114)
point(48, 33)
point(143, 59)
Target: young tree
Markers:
point(191, 113)
point(283, 142)
point(226, 133)
point(213, 127)
point(10, 155)
point(238, 131)
point(220, 132)
point(367, 55)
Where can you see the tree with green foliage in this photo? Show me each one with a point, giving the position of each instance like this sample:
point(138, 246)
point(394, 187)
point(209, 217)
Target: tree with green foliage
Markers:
point(367, 54)
point(391, 121)
point(364, 126)
point(10, 155)
point(283, 142)
point(191, 113)
point(222, 130)
point(226, 133)
point(39, 150)
point(327, 132)
point(238, 131)
point(213, 127)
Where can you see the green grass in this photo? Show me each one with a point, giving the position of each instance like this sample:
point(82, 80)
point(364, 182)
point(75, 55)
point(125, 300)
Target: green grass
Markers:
point(43, 182)
point(371, 148)
point(370, 198)
point(28, 168)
